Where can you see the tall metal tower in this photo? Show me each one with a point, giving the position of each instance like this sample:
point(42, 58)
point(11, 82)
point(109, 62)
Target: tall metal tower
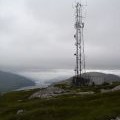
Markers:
point(80, 56)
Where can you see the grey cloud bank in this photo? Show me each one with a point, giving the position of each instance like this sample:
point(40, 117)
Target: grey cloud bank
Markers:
point(39, 34)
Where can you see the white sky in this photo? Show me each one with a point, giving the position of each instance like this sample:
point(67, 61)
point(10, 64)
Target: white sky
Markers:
point(38, 34)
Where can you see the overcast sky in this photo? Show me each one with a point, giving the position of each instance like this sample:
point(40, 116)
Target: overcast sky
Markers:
point(38, 34)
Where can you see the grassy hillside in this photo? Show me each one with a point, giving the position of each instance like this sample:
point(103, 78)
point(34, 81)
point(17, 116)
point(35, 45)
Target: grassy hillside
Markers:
point(10, 81)
point(65, 107)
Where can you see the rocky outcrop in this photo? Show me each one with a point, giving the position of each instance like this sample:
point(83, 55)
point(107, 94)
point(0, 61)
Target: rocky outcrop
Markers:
point(117, 118)
point(19, 112)
point(86, 93)
point(111, 90)
point(48, 92)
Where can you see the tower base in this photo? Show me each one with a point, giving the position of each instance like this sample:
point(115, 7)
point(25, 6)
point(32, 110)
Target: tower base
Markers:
point(80, 81)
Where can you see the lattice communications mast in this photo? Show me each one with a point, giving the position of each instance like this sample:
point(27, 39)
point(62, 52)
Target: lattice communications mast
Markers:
point(79, 42)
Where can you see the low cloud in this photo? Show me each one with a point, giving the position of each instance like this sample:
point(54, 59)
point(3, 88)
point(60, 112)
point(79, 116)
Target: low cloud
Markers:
point(39, 34)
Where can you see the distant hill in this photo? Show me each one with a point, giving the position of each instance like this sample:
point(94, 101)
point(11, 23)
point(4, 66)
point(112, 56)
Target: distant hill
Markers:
point(99, 78)
point(10, 81)
point(96, 77)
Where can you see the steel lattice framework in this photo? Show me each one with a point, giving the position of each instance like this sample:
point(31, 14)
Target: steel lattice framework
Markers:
point(80, 56)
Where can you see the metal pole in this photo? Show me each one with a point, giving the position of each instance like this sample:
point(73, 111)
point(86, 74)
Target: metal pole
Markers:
point(80, 57)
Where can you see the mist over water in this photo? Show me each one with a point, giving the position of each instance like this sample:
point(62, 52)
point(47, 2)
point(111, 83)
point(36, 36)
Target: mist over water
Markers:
point(46, 77)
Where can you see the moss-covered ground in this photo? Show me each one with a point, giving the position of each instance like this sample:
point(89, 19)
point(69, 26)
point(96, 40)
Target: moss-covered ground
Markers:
point(65, 107)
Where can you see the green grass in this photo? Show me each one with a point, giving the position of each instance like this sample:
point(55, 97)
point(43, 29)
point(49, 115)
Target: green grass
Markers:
point(94, 88)
point(65, 107)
